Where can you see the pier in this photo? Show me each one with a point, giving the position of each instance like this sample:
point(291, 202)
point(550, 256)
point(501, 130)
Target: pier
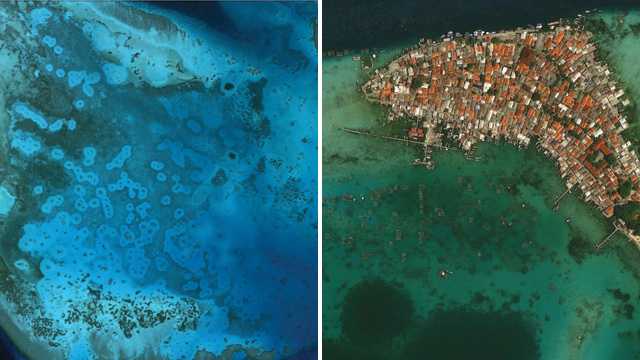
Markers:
point(601, 244)
point(558, 198)
point(392, 138)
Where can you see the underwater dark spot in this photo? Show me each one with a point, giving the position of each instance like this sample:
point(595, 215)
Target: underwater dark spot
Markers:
point(229, 86)
point(20, 205)
point(343, 159)
point(220, 178)
point(375, 311)
point(345, 350)
point(256, 88)
point(463, 334)
point(628, 311)
point(618, 294)
point(232, 155)
point(478, 298)
point(262, 165)
point(579, 248)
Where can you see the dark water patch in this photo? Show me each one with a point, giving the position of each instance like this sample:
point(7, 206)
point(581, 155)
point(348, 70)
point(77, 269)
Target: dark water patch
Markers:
point(375, 311)
point(625, 308)
point(354, 24)
point(261, 167)
point(618, 294)
point(336, 157)
point(220, 178)
point(229, 86)
point(314, 38)
point(479, 298)
point(599, 28)
point(464, 334)
point(344, 350)
point(579, 247)
point(561, 300)
point(256, 89)
point(8, 349)
point(310, 353)
point(277, 42)
point(42, 168)
point(635, 28)
point(211, 13)
point(628, 311)
point(58, 99)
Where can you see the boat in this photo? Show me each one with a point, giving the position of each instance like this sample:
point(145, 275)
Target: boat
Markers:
point(444, 273)
point(569, 219)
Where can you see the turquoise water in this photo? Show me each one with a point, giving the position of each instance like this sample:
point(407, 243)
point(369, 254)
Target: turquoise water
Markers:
point(158, 181)
point(505, 246)
point(621, 42)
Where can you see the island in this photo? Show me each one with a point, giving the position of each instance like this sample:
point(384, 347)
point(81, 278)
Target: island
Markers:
point(521, 86)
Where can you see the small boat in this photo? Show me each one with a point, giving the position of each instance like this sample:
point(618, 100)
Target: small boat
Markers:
point(569, 219)
point(443, 273)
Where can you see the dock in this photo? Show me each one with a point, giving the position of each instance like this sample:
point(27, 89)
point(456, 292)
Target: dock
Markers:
point(558, 198)
point(408, 141)
point(601, 244)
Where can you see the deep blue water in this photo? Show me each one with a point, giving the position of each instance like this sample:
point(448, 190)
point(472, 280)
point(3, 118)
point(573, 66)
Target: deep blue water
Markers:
point(357, 24)
point(209, 12)
point(8, 350)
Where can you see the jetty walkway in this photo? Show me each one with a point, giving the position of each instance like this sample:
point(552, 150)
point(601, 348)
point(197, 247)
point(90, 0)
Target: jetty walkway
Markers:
point(392, 138)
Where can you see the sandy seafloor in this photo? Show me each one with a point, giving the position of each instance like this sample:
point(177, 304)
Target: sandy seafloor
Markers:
point(498, 303)
point(160, 181)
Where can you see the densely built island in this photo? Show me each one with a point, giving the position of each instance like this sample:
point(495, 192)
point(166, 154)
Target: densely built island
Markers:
point(520, 85)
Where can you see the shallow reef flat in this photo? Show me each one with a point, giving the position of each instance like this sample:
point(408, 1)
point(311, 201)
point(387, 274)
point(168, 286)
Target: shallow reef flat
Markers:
point(158, 194)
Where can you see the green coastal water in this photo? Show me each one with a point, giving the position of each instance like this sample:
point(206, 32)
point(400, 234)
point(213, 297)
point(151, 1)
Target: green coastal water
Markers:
point(498, 302)
point(621, 42)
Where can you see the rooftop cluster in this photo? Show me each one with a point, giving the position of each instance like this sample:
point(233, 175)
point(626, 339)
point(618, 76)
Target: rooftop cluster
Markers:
point(518, 85)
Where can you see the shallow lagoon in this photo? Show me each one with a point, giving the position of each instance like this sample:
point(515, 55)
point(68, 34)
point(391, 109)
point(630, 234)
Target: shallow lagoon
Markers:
point(159, 170)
